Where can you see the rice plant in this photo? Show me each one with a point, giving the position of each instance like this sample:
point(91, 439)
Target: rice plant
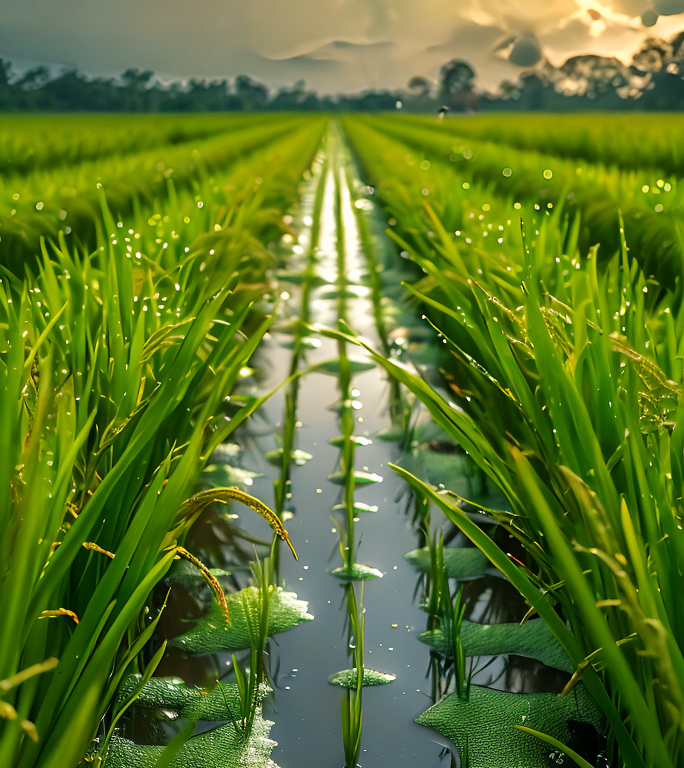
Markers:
point(584, 448)
point(115, 373)
point(585, 137)
point(550, 284)
point(30, 142)
point(426, 163)
point(42, 204)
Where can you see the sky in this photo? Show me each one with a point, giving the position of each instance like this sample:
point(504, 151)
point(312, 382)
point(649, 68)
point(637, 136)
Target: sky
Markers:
point(334, 45)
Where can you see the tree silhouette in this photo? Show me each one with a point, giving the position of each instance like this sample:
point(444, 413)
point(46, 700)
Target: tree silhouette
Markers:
point(6, 94)
point(34, 79)
point(252, 94)
point(457, 81)
point(419, 86)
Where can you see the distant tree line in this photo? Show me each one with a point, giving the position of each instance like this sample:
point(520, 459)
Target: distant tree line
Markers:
point(654, 80)
point(141, 91)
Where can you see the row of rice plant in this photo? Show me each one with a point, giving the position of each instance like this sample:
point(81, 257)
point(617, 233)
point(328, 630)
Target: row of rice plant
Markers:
point(649, 202)
point(36, 141)
point(132, 159)
point(42, 204)
point(351, 573)
point(535, 172)
point(306, 276)
point(647, 140)
point(115, 370)
point(563, 377)
point(349, 270)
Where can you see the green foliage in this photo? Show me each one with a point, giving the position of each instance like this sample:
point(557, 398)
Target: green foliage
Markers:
point(471, 183)
point(333, 367)
point(349, 678)
point(563, 388)
point(647, 140)
point(356, 572)
point(31, 142)
point(459, 562)
point(532, 639)
point(211, 634)
point(226, 744)
point(360, 477)
point(91, 445)
point(115, 367)
point(172, 197)
point(351, 705)
point(483, 724)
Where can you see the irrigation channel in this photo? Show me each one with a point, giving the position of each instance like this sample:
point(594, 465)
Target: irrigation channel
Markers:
point(318, 452)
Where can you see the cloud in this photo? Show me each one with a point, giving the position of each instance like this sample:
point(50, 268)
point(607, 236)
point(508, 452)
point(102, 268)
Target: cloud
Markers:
point(476, 44)
point(633, 8)
point(335, 44)
point(301, 63)
point(471, 37)
point(347, 50)
point(345, 45)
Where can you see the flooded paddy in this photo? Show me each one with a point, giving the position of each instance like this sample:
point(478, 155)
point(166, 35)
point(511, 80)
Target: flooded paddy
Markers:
point(340, 404)
point(367, 454)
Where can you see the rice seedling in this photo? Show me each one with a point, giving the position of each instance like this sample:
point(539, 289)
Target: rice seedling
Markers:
point(648, 204)
point(348, 477)
point(445, 616)
point(583, 460)
point(30, 142)
point(249, 683)
point(586, 137)
point(351, 705)
point(348, 449)
point(115, 372)
point(41, 205)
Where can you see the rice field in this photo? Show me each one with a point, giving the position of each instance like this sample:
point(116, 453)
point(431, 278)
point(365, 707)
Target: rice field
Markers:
point(341, 440)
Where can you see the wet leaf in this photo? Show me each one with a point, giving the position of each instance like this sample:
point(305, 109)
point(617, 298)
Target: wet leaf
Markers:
point(357, 572)
point(532, 639)
point(334, 367)
point(211, 635)
point(359, 506)
point(348, 292)
point(459, 562)
point(225, 745)
point(225, 453)
point(189, 702)
point(186, 575)
point(298, 277)
point(309, 342)
point(338, 441)
point(298, 456)
point(391, 434)
point(348, 678)
point(360, 478)
point(221, 475)
point(483, 724)
point(436, 466)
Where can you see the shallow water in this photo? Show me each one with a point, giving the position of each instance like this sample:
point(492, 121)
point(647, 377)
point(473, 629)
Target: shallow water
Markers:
point(305, 707)
point(307, 725)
